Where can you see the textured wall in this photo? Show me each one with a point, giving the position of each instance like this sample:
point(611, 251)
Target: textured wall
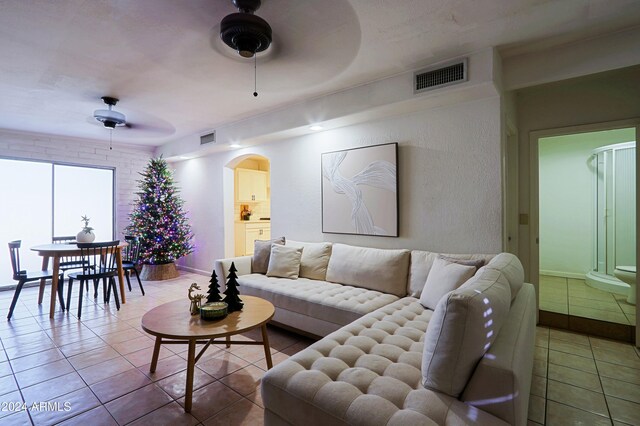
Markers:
point(128, 160)
point(449, 179)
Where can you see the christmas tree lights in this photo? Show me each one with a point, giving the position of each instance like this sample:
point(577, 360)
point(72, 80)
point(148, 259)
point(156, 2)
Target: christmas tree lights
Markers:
point(158, 217)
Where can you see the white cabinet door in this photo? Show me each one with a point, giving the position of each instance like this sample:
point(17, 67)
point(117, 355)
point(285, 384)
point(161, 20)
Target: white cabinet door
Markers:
point(251, 185)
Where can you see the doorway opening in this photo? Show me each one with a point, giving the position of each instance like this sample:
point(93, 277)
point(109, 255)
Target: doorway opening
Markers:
point(587, 225)
point(251, 202)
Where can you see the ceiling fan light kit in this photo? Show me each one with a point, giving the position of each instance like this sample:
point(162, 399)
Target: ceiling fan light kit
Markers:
point(245, 32)
point(108, 117)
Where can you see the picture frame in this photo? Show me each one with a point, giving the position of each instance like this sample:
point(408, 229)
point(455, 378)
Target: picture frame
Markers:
point(360, 191)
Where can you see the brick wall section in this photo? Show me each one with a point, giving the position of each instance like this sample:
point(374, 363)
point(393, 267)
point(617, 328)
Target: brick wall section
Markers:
point(127, 160)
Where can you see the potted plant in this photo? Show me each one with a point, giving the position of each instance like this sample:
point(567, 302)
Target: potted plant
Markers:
point(86, 235)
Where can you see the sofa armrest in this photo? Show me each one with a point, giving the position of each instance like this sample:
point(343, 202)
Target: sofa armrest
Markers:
point(501, 381)
point(221, 266)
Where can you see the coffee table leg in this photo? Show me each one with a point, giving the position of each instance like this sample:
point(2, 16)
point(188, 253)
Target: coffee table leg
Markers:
point(191, 363)
point(228, 340)
point(156, 353)
point(267, 350)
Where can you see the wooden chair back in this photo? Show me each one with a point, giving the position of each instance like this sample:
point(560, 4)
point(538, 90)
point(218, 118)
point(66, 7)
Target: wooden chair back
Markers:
point(131, 253)
point(64, 240)
point(14, 251)
point(99, 259)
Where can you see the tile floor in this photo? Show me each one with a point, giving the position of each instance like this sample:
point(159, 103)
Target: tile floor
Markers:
point(99, 368)
point(584, 380)
point(574, 297)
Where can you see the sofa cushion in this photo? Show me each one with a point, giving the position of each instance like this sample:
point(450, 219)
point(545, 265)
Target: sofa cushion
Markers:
point(284, 261)
point(421, 262)
point(335, 303)
point(462, 329)
point(261, 254)
point(511, 267)
point(375, 269)
point(444, 277)
point(366, 373)
point(315, 259)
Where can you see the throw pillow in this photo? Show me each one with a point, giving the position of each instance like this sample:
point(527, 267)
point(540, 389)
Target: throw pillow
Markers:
point(478, 263)
point(315, 259)
point(444, 277)
point(284, 261)
point(261, 253)
point(461, 330)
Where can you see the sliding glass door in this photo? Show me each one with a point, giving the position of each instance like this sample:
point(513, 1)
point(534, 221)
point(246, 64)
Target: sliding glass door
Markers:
point(40, 200)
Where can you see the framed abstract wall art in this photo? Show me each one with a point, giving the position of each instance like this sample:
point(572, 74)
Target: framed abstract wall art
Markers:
point(360, 191)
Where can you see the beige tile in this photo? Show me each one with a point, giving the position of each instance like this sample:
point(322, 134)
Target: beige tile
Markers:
point(619, 389)
point(9, 399)
point(43, 373)
point(580, 398)
point(561, 415)
point(575, 377)
point(536, 409)
point(78, 402)
point(242, 413)
point(540, 367)
point(222, 365)
point(550, 280)
point(98, 416)
point(611, 345)
point(624, 411)
point(538, 386)
point(550, 306)
point(50, 389)
point(245, 380)
point(175, 384)
point(276, 359)
point(619, 357)
point(137, 403)
point(104, 370)
point(570, 348)
point(21, 418)
point(165, 368)
point(618, 372)
point(143, 356)
point(541, 354)
point(170, 414)
point(627, 308)
point(8, 384)
point(93, 357)
point(5, 369)
point(256, 398)
point(211, 399)
point(570, 337)
point(120, 384)
point(35, 360)
point(134, 345)
point(604, 305)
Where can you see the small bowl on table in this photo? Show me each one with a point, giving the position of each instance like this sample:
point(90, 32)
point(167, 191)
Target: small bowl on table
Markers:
point(213, 311)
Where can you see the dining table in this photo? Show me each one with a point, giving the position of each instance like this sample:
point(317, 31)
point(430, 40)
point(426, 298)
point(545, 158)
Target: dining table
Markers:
point(59, 251)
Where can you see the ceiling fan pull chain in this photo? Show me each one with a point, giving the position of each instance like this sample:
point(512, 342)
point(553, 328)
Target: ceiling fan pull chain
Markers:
point(255, 75)
point(110, 139)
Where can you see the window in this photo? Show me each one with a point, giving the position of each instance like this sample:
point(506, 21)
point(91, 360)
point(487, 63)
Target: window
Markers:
point(40, 200)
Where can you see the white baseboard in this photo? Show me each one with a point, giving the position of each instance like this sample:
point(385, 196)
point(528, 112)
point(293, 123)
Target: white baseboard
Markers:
point(194, 270)
point(563, 274)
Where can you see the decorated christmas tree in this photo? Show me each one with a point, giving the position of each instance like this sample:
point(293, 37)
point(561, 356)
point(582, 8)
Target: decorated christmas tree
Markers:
point(214, 289)
point(232, 294)
point(158, 218)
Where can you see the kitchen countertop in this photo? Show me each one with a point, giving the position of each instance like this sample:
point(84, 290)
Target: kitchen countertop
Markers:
point(252, 221)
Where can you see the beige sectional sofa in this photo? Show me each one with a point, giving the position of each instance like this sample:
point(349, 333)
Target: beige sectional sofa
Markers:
point(380, 362)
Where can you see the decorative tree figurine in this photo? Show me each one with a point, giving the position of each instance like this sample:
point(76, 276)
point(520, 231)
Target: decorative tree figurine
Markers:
point(158, 218)
point(232, 294)
point(214, 289)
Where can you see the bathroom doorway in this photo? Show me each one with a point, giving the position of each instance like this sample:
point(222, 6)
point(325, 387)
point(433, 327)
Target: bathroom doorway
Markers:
point(587, 229)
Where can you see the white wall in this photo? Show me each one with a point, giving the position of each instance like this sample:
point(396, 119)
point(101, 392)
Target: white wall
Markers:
point(449, 180)
point(128, 160)
point(567, 194)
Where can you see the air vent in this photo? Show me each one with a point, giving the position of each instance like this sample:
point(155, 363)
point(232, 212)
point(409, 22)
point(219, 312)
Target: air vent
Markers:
point(440, 76)
point(208, 138)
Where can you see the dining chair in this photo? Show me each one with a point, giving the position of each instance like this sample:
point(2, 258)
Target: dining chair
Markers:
point(24, 277)
point(99, 264)
point(69, 262)
point(130, 258)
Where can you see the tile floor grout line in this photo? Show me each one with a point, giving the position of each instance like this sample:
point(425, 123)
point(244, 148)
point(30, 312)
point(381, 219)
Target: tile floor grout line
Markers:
point(606, 402)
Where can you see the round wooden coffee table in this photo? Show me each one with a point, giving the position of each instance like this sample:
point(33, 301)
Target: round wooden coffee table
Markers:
point(171, 323)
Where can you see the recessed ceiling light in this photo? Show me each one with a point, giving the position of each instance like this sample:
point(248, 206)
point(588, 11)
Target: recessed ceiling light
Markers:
point(316, 127)
point(235, 145)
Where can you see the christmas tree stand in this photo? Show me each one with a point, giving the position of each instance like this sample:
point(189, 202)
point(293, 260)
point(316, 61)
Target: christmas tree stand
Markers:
point(161, 272)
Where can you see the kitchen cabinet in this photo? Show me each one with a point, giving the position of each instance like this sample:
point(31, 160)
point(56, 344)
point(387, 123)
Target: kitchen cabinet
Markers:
point(247, 233)
point(251, 185)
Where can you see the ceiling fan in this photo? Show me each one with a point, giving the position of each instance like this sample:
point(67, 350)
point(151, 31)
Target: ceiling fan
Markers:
point(109, 117)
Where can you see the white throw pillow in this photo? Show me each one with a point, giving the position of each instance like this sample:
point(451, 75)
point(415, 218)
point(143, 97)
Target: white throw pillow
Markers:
point(444, 277)
point(284, 261)
point(462, 329)
point(315, 259)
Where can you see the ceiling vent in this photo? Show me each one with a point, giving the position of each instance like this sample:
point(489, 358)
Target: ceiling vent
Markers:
point(208, 138)
point(440, 76)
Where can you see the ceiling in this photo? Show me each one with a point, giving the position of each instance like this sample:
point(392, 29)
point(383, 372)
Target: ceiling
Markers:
point(174, 77)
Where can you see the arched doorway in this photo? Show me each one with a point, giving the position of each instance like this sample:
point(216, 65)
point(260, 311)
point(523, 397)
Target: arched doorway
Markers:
point(247, 203)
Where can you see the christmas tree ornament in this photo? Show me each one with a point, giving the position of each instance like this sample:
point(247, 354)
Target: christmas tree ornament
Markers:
point(213, 294)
